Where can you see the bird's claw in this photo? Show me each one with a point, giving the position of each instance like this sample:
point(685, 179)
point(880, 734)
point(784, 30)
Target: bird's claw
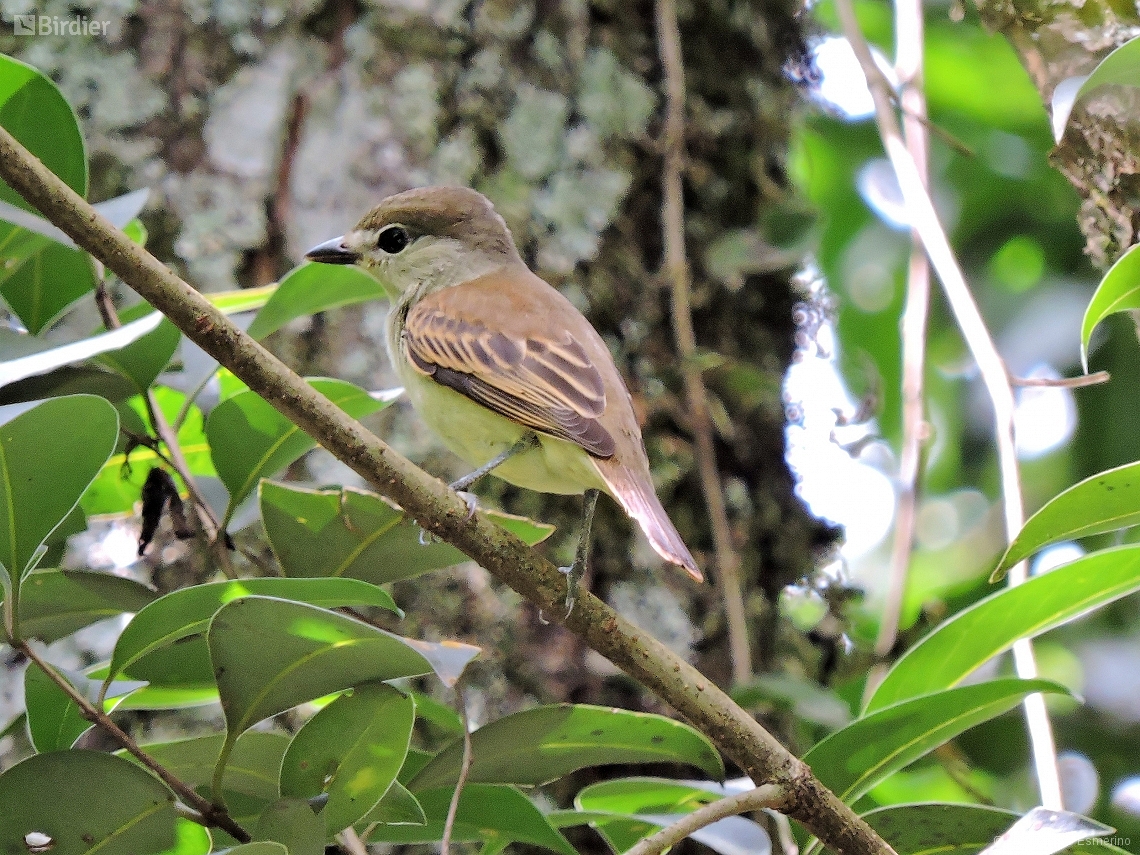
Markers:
point(472, 503)
point(427, 538)
point(573, 574)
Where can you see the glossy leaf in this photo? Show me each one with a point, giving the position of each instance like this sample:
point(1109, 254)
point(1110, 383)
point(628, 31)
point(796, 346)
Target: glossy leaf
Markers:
point(249, 439)
point(270, 655)
point(181, 614)
point(486, 812)
point(48, 457)
point(398, 807)
point(54, 719)
point(962, 643)
point(113, 807)
point(1107, 501)
point(539, 745)
point(1121, 67)
point(351, 750)
point(313, 288)
point(292, 823)
point(357, 534)
point(253, 768)
point(179, 675)
point(143, 360)
point(46, 359)
point(190, 838)
point(47, 283)
point(954, 829)
point(1118, 291)
point(35, 113)
point(56, 603)
point(643, 795)
point(851, 761)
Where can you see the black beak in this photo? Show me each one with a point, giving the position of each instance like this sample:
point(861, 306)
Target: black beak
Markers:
point(333, 252)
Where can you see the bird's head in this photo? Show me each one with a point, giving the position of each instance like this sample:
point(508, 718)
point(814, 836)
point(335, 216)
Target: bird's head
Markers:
point(425, 239)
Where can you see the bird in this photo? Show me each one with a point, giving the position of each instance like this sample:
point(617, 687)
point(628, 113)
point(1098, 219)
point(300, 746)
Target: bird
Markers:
point(500, 364)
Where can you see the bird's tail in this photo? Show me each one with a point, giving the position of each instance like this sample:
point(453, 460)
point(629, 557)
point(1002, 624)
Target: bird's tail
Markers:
point(635, 493)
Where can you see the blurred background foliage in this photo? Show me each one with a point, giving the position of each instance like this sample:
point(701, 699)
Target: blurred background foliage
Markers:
point(266, 127)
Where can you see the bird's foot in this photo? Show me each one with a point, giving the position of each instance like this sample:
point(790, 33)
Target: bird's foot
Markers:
point(470, 499)
point(427, 538)
point(573, 574)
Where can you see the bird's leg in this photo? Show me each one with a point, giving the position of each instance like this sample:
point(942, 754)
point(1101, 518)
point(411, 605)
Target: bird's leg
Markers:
point(528, 441)
point(577, 570)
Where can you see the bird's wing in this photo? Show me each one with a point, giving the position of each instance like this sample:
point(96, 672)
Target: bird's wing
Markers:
point(543, 381)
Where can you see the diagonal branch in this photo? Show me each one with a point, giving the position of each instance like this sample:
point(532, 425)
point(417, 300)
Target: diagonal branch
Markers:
point(440, 511)
point(671, 835)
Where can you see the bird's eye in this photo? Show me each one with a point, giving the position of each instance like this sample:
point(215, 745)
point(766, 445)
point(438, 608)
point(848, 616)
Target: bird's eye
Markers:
point(393, 239)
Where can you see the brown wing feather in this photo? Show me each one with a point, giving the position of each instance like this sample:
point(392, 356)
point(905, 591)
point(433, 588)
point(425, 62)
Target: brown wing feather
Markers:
point(548, 384)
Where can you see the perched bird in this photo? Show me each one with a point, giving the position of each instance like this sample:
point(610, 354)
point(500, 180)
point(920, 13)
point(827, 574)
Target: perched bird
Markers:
point(511, 376)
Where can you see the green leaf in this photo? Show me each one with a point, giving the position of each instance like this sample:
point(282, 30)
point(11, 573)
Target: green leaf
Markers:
point(351, 750)
point(241, 300)
point(962, 643)
point(353, 533)
point(253, 768)
point(539, 745)
point(954, 829)
point(398, 807)
point(438, 714)
point(143, 360)
point(1118, 291)
point(643, 795)
point(486, 812)
point(292, 823)
point(1107, 501)
point(180, 675)
point(48, 457)
point(190, 838)
point(181, 614)
point(56, 603)
point(270, 655)
point(54, 719)
point(85, 801)
point(249, 439)
point(851, 761)
point(47, 283)
point(1121, 67)
point(313, 288)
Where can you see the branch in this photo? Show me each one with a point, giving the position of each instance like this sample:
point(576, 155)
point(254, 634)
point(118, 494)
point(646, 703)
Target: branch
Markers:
point(677, 268)
point(440, 511)
point(210, 814)
point(761, 797)
point(990, 366)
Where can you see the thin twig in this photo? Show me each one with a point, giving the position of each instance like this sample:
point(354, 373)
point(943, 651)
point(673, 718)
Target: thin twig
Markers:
point(677, 268)
point(990, 365)
point(908, 66)
point(464, 771)
point(211, 814)
point(432, 505)
point(206, 516)
point(1094, 379)
point(671, 835)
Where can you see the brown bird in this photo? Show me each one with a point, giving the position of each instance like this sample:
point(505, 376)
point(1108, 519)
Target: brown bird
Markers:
point(511, 376)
